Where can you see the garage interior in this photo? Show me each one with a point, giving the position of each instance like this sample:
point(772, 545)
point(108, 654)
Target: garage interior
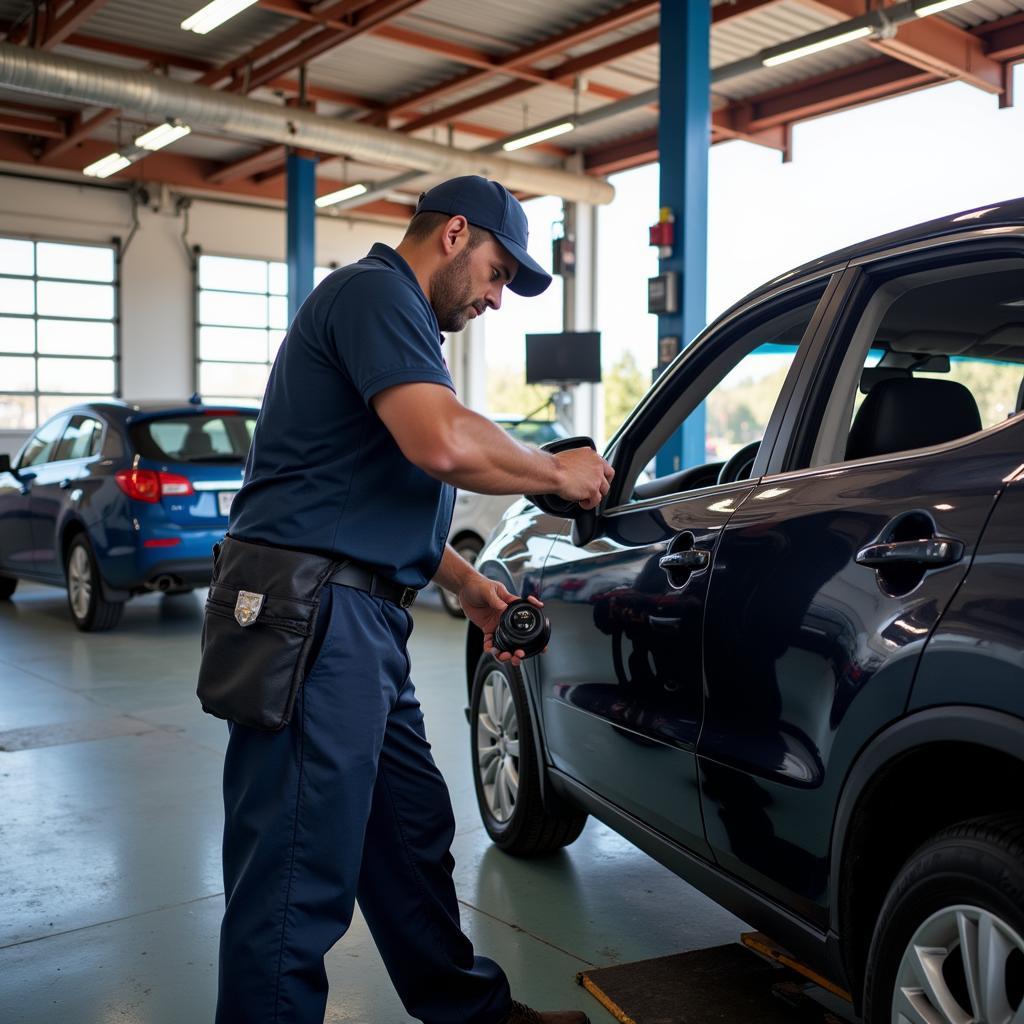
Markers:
point(109, 770)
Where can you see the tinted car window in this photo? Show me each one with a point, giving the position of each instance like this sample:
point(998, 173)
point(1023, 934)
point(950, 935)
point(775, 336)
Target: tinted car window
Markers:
point(195, 437)
point(962, 324)
point(42, 444)
point(81, 439)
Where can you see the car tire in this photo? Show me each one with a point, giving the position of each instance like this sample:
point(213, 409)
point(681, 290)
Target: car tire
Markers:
point(8, 585)
point(91, 612)
point(469, 548)
point(963, 889)
point(506, 768)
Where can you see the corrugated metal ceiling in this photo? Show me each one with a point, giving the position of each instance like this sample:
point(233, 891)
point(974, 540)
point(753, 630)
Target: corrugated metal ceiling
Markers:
point(385, 71)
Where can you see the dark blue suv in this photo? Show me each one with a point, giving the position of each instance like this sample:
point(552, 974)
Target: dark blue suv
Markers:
point(113, 499)
point(794, 673)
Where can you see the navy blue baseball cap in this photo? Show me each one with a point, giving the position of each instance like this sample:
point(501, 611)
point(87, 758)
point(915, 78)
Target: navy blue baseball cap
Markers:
point(489, 205)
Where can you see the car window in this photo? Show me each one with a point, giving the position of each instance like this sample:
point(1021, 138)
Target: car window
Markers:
point(81, 439)
point(737, 395)
point(535, 432)
point(932, 356)
point(42, 443)
point(198, 437)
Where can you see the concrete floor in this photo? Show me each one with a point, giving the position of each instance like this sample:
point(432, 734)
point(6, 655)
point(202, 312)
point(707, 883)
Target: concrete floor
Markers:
point(110, 886)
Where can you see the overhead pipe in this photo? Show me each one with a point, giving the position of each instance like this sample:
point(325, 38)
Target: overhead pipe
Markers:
point(158, 98)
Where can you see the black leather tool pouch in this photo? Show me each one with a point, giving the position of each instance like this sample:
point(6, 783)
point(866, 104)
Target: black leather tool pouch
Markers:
point(258, 631)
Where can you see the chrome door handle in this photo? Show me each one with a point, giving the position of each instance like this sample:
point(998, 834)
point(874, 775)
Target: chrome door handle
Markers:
point(692, 560)
point(929, 552)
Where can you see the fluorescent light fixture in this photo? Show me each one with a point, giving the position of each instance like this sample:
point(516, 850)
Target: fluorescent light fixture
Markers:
point(214, 14)
point(162, 135)
point(538, 136)
point(107, 166)
point(817, 47)
point(349, 192)
point(939, 5)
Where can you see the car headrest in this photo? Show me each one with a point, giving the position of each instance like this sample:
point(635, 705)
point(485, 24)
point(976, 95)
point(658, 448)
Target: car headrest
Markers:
point(899, 415)
point(197, 443)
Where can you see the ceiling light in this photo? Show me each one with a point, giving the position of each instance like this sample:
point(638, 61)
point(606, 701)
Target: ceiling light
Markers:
point(162, 135)
point(816, 47)
point(939, 5)
point(107, 166)
point(538, 136)
point(214, 14)
point(349, 192)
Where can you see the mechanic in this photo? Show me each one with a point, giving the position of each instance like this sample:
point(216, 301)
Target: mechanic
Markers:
point(356, 455)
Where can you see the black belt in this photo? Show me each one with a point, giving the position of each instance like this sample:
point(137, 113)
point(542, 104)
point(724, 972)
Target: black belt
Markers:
point(353, 575)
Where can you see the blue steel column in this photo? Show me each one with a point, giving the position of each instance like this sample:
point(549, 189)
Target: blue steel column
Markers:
point(301, 229)
point(684, 135)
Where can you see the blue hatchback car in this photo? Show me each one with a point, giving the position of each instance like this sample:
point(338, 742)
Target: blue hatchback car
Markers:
point(113, 499)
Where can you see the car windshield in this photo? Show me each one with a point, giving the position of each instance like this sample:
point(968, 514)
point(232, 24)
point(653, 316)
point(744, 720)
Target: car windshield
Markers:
point(536, 432)
point(195, 437)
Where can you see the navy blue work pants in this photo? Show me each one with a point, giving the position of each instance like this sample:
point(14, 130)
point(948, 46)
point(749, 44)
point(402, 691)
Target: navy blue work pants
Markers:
point(345, 804)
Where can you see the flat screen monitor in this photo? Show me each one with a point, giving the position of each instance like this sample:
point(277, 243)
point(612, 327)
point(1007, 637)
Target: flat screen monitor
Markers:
point(569, 357)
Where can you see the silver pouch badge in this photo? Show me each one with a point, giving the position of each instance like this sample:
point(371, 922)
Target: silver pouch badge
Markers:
point(248, 607)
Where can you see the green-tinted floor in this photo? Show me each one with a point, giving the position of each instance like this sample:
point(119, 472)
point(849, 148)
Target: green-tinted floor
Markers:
point(110, 889)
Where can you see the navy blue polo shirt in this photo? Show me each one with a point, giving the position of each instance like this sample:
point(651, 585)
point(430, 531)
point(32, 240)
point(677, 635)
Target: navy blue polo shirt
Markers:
point(323, 473)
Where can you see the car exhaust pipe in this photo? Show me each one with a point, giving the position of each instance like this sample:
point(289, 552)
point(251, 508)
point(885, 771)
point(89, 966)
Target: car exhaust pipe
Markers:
point(163, 583)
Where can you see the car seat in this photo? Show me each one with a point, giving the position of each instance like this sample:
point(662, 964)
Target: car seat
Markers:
point(915, 412)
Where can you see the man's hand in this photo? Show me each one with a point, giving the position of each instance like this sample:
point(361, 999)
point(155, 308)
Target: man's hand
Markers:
point(483, 601)
point(586, 476)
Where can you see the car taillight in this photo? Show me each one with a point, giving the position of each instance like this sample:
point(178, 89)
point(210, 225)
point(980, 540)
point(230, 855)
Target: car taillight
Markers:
point(150, 486)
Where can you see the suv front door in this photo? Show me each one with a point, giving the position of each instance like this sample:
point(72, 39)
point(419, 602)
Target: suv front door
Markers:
point(622, 680)
point(831, 575)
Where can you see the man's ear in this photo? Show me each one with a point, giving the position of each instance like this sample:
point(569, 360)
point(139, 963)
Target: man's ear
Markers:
point(455, 233)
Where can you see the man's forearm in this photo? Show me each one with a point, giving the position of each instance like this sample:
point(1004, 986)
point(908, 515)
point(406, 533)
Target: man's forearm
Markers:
point(482, 457)
point(454, 571)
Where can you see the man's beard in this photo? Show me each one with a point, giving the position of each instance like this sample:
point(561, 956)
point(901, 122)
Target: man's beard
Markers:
point(451, 294)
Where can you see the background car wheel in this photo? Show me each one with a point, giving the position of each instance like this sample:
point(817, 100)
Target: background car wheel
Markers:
point(469, 548)
point(90, 611)
point(7, 587)
point(506, 768)
point(949, 945)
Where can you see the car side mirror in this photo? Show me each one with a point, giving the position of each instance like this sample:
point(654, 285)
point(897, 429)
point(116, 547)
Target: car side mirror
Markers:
point(5, 463)
point(584, 520)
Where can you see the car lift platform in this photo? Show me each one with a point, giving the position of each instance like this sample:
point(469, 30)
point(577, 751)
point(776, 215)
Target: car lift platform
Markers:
point(731, 984)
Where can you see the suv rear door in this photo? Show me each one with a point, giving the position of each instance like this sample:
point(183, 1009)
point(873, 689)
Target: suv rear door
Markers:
point(832, 574)
point(622, 679)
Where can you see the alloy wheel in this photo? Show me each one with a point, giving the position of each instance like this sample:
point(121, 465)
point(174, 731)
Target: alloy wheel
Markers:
point(963, 965)
point(497, 735)
point(80, 582)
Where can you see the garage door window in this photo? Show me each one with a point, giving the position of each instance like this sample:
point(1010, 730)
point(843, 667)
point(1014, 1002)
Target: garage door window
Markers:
point(933, 356)
point(242, 308)
point(58, 328)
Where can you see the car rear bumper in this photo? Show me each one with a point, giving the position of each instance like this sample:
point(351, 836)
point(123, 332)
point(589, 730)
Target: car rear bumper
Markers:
point(136, 568)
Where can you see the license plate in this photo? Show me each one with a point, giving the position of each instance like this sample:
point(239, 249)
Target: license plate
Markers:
point(224, 499)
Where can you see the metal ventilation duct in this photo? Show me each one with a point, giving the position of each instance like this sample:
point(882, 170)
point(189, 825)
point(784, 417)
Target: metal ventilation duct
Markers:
point(159, 97)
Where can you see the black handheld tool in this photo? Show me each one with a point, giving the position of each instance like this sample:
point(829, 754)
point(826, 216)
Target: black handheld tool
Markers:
point(522, 627)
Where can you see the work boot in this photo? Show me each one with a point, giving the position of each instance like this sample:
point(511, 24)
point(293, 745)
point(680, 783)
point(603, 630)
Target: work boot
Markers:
point(521, 1014)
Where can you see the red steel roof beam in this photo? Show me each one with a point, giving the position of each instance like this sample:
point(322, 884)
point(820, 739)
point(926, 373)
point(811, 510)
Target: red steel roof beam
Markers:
point(327, 39)
point(48, 128)
point(931, 44)
point(78, 131)
point(71, 18)
point(616, 19)
point(564, 72)
point(1003, 39)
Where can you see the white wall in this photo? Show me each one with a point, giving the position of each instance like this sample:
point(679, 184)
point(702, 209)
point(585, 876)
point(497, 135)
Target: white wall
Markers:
point(156, 281)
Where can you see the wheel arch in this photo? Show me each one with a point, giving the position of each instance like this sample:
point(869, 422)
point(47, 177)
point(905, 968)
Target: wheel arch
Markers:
point(944, 755)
